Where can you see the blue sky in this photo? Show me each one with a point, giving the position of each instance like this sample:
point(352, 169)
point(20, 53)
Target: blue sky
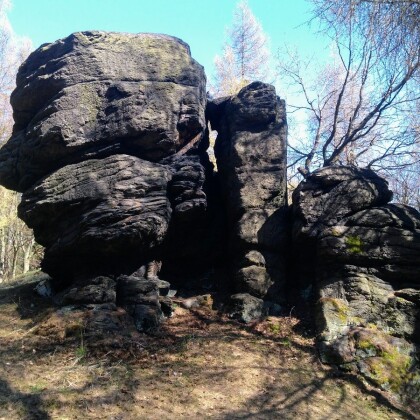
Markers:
point(200, 23)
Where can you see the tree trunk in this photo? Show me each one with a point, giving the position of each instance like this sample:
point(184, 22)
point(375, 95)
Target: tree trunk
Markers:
point(14, 263)
point(27, 256)
point(2, 254)
point(8, 255)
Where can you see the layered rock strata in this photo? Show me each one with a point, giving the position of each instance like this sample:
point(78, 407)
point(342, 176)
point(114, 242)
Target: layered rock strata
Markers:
point(100, 214)
point(94, 94)
point(361, 257)
point(103, 122)
point(109, 150)
point(251, 158)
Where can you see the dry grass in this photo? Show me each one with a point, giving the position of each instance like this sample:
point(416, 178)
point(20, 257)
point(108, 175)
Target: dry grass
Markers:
point(199, 365)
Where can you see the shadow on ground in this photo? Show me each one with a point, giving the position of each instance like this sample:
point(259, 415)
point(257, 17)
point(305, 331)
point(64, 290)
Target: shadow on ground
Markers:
point(198, 365)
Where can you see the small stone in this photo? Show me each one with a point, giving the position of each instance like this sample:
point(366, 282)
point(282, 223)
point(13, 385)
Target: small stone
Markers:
point(44, 288)
point(246, 308)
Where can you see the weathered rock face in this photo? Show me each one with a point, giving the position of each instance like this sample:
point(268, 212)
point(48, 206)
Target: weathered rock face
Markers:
point(251, 160)
point(102, 125)
point(94, 112)
point(112, 213)
point(94, 94)
point(361, 257)
point(322, 201)
point(101, 121)
point(108, 149)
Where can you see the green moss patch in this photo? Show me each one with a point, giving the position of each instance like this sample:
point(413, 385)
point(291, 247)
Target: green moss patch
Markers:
point(354, 244)
point(386, 361)
point(336, 307)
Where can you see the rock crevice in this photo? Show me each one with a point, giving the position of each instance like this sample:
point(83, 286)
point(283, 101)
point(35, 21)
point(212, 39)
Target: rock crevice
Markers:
point(109, 151)
point(251, 158)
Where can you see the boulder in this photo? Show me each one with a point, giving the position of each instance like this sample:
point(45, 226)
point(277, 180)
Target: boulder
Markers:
point(99, 216)
point(246, 308)
point(371, 264)
point(361, 258)
point(141, 299)
point(251, 159)
point(147, 318)
point(94, 94)
point(97, 291)
point(134, 290)
point(387, 361)
point(332, 193)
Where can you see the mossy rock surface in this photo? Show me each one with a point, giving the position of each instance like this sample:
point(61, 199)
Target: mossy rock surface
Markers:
point(388, 362)
point(332, 316)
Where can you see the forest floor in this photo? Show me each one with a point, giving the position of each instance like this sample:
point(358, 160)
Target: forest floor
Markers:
point(198, 365)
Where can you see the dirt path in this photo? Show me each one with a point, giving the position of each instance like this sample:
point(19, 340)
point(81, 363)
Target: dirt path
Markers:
point(198, 366)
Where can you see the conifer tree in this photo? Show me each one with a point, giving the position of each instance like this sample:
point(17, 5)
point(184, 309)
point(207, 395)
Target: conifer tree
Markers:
point(245, 55)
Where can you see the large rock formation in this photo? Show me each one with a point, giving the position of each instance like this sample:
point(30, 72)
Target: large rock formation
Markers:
point(94, 94)
point(251, 159)
point(361, 257)
point(101, 121)
point(109, 150)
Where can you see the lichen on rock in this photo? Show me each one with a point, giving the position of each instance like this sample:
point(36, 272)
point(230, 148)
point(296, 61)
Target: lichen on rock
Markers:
point(366, 254)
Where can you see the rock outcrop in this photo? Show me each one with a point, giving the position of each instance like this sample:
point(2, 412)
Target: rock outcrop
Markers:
point(109, 151)
point(94, 94)
point(108, 148)
point(360, 255)
point(251, 158)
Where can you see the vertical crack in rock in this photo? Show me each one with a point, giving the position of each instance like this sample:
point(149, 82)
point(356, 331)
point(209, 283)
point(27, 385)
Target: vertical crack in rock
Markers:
point(251, 159)
point(109, 150)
